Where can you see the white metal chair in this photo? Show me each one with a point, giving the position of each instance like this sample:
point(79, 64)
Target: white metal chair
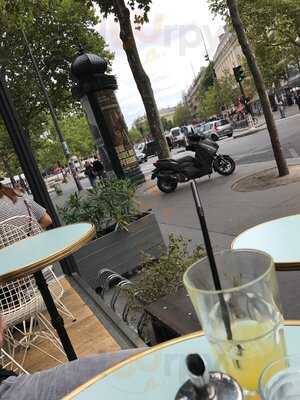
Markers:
point(7, 362)
point(21, 304)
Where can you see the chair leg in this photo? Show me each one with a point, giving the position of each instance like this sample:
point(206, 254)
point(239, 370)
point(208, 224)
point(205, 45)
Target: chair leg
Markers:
point(62, 309)
point(11, 363)
point(31, 332)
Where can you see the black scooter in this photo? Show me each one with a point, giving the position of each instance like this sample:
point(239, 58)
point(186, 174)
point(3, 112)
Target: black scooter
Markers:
point(170, 172)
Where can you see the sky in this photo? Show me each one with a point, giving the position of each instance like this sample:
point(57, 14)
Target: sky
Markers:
point(171, 50)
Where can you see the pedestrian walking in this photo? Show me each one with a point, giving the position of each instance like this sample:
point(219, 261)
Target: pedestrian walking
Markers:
point(297, 100)
point(281, 108)
point(98, 167)
point(90, 173)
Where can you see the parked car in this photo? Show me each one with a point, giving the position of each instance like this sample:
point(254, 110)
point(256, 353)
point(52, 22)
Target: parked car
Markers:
point(178, 136)
point(198, 129)
point(141, 157)
point(148, 148)
point(218, 129)
point(187, 130)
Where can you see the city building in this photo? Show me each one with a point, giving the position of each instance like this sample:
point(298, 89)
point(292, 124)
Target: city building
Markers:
point(191, 98)
point(167, 113)
point(228, 54)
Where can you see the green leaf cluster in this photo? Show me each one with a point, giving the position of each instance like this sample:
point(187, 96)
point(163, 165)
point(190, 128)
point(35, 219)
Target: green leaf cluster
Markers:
point(76, 133)
point(183, 115)
point(111, 202)
point(140, 8)
point(54, 30)
point(273, 28)
point(224, 93)
point(163, 276)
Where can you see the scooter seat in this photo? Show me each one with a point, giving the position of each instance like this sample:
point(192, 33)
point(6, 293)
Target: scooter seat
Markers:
point(186, 159)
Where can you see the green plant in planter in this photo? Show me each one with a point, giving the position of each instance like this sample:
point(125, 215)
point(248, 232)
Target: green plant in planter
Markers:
point(58, 189)
point(109, 203)
point(163, 276)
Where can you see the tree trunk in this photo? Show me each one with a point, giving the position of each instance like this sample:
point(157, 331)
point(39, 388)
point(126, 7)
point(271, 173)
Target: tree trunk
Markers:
point(141, 78)
point(260, 87)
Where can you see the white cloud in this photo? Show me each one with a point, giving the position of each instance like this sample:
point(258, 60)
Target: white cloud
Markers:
point(170, 48)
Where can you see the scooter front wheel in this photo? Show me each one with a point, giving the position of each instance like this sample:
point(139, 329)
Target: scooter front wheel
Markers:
point(166, 185)
point(224, 165)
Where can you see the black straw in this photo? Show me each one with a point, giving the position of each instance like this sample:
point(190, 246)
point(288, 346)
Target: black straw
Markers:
point(211, 259)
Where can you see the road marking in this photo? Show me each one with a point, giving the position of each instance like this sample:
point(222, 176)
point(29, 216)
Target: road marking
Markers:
point(293, 152)
point(240, 156)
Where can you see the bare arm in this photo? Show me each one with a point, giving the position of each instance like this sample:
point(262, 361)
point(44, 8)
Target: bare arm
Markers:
point(45, 221)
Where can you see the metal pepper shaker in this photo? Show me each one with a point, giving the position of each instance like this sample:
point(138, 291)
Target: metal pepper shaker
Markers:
point(204, 385)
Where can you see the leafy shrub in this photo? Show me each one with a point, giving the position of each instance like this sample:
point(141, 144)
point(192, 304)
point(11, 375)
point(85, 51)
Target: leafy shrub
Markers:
point(110, 202)
point(164, 276)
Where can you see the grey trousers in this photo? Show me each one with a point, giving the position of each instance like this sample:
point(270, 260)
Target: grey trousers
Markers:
point(55, 383)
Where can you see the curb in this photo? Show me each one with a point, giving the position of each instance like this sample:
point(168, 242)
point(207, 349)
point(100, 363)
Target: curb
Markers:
point(250, 132)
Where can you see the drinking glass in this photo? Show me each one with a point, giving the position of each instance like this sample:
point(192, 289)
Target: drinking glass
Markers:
point(243, 321)
point(281, 380)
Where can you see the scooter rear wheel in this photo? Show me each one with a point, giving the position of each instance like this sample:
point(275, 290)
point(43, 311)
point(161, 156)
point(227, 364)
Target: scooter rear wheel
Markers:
point(166, 185)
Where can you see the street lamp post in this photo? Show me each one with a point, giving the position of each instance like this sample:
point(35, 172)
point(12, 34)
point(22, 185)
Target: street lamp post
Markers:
point(53, 114)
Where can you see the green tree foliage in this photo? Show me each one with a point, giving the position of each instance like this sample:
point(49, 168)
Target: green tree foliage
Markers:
point(135, 135)
point(209, 104)
point(228, 89)
point(208, 78)
point(225, 92)
point(143, 126)
point(182, 115)
point(54, 29)
point(8, 163)
point(77, 134)
point(166, 123)
point(273, 28)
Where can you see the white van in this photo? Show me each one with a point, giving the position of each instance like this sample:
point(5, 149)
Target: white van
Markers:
point(178, 136)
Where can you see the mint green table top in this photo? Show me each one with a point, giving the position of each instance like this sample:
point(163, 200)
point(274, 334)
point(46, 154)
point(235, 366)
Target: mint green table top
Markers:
point(32, 254)
point(279, 238)
point(158, 374)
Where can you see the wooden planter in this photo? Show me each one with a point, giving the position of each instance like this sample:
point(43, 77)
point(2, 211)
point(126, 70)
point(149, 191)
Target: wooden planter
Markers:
point(120, 251)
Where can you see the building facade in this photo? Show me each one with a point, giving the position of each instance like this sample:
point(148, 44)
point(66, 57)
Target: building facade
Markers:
point(228, 54)
point(191, 98)
point(167, 113)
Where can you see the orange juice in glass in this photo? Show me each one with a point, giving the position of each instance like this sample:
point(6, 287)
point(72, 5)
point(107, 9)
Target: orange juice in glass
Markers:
point(250, 295)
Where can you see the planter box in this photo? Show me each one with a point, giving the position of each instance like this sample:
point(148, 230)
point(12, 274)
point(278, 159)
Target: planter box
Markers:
point(120, 250)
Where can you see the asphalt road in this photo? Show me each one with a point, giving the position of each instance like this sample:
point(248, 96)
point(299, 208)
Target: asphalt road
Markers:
point(253, 148)
point(245, 150)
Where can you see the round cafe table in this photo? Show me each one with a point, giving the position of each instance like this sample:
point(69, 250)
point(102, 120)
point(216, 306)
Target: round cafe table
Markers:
point(31, 255)
point(159, 372)
point(279, 238)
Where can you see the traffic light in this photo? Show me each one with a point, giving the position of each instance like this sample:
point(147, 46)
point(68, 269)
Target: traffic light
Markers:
point(239, 73)
point(206, 57)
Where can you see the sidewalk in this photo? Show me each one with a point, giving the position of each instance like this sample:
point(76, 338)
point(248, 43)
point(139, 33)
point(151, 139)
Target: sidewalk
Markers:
point(228, 213)
point(237, 133)
point(261, 125)
point(87, 334)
